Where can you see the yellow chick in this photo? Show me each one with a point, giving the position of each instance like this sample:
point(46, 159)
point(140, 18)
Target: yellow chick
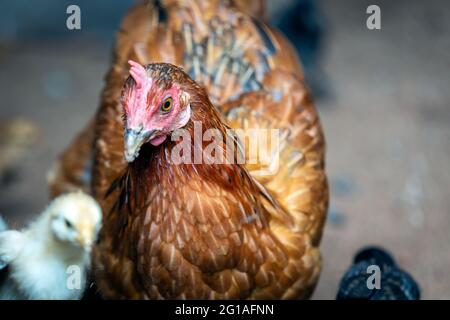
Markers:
point(50, 258)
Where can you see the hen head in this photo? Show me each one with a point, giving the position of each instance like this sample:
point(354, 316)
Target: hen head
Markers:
point(155, 103)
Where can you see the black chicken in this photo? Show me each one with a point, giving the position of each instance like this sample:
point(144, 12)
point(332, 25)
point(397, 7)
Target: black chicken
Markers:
point(396, 284)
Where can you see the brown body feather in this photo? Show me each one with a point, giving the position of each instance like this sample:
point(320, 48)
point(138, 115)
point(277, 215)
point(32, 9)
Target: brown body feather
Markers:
point(198, 230)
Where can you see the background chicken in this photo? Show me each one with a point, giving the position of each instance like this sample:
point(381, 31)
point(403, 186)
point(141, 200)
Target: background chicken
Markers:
point(204, 231)
point(395, 283)
point(16, 137)
point(35, 262)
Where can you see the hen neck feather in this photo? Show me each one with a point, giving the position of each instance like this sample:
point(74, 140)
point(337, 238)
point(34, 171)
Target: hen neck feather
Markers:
point(154, 170)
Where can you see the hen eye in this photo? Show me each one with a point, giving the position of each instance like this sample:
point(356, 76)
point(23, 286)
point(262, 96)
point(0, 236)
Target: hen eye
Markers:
point(167, 104)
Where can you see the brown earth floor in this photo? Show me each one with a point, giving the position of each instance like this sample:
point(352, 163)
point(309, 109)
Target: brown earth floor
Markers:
point(387, 123)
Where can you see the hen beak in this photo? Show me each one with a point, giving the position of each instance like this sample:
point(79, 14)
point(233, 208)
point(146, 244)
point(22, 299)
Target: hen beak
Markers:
point(134, 139)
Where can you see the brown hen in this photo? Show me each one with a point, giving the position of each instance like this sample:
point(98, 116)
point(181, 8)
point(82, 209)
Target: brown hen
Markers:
point(205, 231)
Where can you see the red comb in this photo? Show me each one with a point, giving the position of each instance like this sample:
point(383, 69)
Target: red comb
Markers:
point(138, 73)
point(134, 100)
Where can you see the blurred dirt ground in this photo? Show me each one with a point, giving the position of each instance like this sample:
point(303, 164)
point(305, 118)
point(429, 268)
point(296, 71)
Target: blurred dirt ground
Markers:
point(386, 120)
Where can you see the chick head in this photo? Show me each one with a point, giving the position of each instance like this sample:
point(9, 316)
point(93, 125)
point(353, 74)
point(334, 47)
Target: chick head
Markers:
point(75, 218)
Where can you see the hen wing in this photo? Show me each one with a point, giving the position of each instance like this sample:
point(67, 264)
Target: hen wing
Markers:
point(292, 169)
